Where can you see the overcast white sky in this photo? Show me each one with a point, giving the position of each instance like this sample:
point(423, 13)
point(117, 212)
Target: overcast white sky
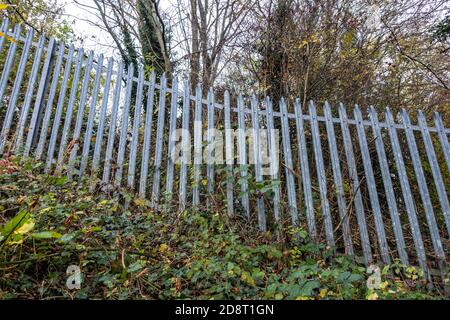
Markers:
point(93, 37)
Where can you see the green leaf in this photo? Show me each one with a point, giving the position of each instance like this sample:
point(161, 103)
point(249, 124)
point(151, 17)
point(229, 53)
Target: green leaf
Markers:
point(46, 235)
point(15, 223)
point(309, 287)
point(136, 266)
point(68, 237)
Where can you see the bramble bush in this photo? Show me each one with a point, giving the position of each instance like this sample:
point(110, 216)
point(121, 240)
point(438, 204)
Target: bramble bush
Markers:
point(125, 250)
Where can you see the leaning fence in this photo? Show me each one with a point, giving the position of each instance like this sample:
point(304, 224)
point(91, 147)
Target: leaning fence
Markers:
point(370, 184)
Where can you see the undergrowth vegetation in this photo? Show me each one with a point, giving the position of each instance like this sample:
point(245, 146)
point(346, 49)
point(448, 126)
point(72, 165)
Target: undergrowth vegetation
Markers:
point(125, 250)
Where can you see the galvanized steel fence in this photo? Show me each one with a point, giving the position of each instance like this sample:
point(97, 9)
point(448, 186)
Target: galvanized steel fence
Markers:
point(370, 187)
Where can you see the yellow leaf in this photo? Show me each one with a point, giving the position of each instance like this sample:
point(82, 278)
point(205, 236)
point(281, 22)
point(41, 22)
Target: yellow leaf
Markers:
point(140, 202)
point(204, 182)
point(26, 227)
point(2, 34)
point(15, 242)
point(3, 6)
point(323, 293)
point(303, 298)
point(163, 247)
point(372, 296)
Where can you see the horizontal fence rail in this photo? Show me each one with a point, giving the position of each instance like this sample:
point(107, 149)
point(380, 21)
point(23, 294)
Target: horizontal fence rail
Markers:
point(363, 182)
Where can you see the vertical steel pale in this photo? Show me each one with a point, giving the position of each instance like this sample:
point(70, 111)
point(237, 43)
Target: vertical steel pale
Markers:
point(211, 142)
point(4, 29)
point(304, 168)
point(371, 184)
point(159, 142)
point(29, 95)
point(69, 111)
point(337, 177)
point(242, 156)
point(15, 91)
point(59, 109)
point(49, 106)
point(257, 163)
point(80, 114)
point(197, 145)
point(171, 143)
point(229, 156)
point(101, 125)
point(357, 202)
point(112, 125)
point(388, 187)
point(39, 96)
point(406, 190)
point(147, 137)
point(9, 61)
point(185, 146)
point(124, 127)
point(274, 163)
point(135, 132)
point(92, 112)
point(423, 189)
point(435, 170)
point(321, 177)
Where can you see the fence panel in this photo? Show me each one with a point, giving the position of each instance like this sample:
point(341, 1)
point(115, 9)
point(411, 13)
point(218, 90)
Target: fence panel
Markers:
point(346, 189)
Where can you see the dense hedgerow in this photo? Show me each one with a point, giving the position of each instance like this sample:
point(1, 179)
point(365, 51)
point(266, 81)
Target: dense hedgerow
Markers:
point(131, 252)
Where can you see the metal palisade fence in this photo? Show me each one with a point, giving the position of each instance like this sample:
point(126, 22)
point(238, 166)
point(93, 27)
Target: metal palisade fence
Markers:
point(370, 185)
